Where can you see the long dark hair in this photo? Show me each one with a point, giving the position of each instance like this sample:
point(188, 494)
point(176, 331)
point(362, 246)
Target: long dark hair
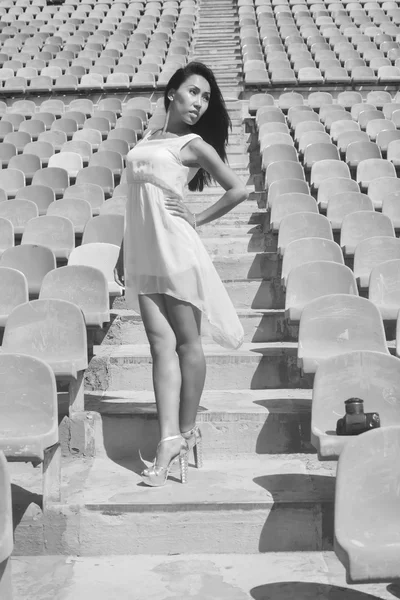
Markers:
point(214, 125)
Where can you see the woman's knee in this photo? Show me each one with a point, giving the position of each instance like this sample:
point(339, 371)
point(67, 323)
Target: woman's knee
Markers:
point(162, 347)
point(191, 350)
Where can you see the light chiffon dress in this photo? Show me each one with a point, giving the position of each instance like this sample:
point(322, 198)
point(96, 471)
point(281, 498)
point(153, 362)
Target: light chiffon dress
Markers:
point(163, 254)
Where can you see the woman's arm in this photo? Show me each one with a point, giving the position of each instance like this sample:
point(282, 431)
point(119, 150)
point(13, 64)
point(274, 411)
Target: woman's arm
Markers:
point(198, 153)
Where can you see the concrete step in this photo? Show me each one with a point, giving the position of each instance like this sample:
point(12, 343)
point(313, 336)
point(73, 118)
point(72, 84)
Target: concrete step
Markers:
point(262, 365)
point(272, 576)
point(233, 422)
point(126, 327)
point(249, 504)
point(261, 294)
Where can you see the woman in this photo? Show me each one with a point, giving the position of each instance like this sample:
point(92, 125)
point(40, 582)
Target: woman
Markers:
point(168, 275)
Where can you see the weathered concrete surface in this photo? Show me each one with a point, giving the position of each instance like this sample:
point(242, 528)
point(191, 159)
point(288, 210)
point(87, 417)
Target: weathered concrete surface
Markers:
point(255, 366)
point(276, 576)
point(239, 505)
point(233, 422)
point(127, 327)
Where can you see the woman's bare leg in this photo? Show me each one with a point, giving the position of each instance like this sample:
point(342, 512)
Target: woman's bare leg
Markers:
point(185, 320)
point(166, 371)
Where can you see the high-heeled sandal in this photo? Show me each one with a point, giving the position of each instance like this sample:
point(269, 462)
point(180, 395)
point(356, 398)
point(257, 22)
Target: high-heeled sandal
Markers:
point(157, 476)
point(195, 441)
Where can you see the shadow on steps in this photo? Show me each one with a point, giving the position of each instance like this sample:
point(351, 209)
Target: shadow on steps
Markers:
point(291, 590)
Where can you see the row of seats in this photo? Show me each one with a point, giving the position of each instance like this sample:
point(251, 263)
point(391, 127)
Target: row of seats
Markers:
point(121, 46)
point(322, 43)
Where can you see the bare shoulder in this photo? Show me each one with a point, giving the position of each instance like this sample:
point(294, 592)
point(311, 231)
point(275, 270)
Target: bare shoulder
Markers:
point(199, 153)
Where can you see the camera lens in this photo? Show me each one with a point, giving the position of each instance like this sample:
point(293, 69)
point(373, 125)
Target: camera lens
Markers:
point(354, 406)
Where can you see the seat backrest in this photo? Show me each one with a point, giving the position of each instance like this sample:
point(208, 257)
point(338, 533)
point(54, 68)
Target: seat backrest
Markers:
point(52, 231)
point(100, 255)
point(343, 322)
point(362, 225)
point(307, 250)
point(104, 228)
point(301, 225)
point(13, 290)
point(384, 284)
point(46, 328)
point(33, 261)
point(77, 210)
point(6, 516)
point(83, 285)
point(19, 212)
point(380, 188)
point(286, 186)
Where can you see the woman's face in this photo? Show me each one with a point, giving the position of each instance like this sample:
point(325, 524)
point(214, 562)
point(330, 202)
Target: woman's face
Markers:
point(191, 99)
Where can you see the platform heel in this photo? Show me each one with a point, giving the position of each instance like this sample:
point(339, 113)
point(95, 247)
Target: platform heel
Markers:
point(195, 441)
point(156, 476)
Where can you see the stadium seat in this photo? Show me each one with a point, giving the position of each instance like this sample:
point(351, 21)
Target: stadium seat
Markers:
point(82, 285)
point(6, 234)
point(373, 168)
point(27, 163)
point(11, 180)
point(302, 225)
point(314, 153)
point(6, 530)
point(328, 169)
point(361, 225)
point(366, 500)
point(68, 161)
point(101, 176)
point(19, 212)
point(122, 134)
point(29, 425)
point(282, 170)
point(357, 152)
point(108, 158)
point(384, 290)
point(108, 229)
point(371, 376)
point(33, 261)
point(54, 232)
point(78, 211)
point(102, 256)
point(289, 204)
point(315, 279)
point(13, 291)
point(92, 136)
point(379, 189)
point(66, 125)
point(391, 208)
point(34, 127)
point(54, 331)
point(309, 249)
point(335, 324)
point(344, 203)
point(7, 151)
point(286, 186)
point(55, 138)
point(56, 178)
point(41, 195)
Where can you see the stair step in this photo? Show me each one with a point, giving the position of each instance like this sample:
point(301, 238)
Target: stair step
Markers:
point(259, 326)
point(272, 576)
point(233, 422)
point(247, 504)
point(263, 365)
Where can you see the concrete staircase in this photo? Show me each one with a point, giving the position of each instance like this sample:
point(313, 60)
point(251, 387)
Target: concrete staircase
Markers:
point(216, 43)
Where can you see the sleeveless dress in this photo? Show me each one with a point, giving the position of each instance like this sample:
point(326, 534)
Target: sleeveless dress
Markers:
point(162, 252)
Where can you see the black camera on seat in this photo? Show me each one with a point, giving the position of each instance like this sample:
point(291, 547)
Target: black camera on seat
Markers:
point(356, 421)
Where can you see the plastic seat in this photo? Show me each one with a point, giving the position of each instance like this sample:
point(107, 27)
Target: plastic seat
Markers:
point(376, 126)
point(54, 331)
point(33, 127)
point(329, 187)
point(373, 168)
point(92, 136)
point(301, 225)
point(319, 152)
point(278, 171)
point(372, 252)
point(99, 124)
point(41, 195)
point(101, 176)
point(102, 256)
point(108, 229)
point(335, 324)
point(54, 232)
point(56, 178)
point(311, 138)
point(82, 285)
point(78, 211)
point(365, 116)
point(328, 169)
point(391, 208)
point(286, 186)
point(68, 126)
point(120, 146)
point(19, 212)
point(13, 291)
point(18, 138)
point(371, 376)
point(122, 134)
point(258, 100)
point(27, 163)
point(7, 151)
point(309, 249)
point(344, 203)
point(358, 151)
point(6, 234)
point(84, 105)
point(68, 161)
point(278, 152)
point(107, 158)
point(90, 192)
point(33, 261)
point(288, 204)
point(6, 528)
point(384, 289)
point(366, 499)
point(379, 189)
point(393, 152)
point(55, 138)
point(361, 225)
point(315, 279)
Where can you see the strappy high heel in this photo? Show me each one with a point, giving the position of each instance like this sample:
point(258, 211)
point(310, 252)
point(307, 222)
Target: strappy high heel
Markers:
point(157, 476)
point(195, 441)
